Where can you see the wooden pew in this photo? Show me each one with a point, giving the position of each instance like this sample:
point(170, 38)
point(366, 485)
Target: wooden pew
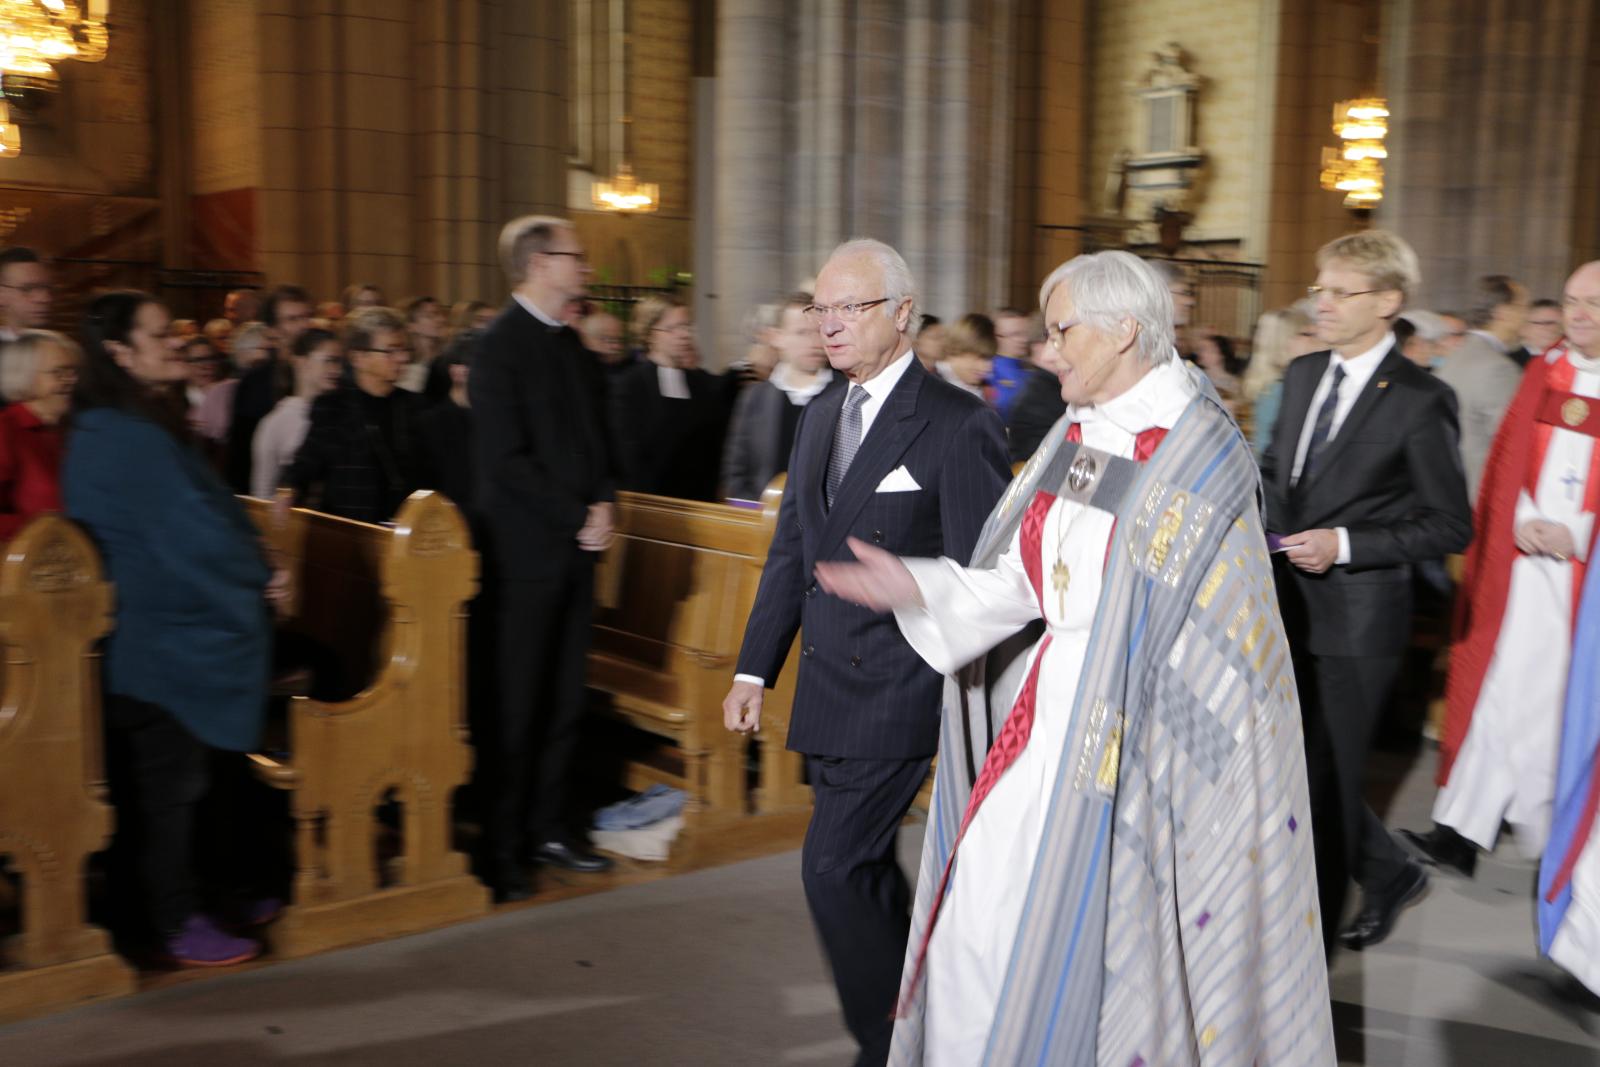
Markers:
point(54, 606)
point(672, 597)
point(390, 601)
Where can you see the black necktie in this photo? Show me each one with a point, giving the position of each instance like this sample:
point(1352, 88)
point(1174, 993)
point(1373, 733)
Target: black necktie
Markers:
point(1323, 427)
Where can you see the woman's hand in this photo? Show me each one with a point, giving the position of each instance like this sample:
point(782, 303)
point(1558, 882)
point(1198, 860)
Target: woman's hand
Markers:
point(878, 581)
point(280, 590)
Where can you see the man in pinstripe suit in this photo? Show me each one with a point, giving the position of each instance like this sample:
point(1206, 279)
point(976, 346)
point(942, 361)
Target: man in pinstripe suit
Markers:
point(901, 459)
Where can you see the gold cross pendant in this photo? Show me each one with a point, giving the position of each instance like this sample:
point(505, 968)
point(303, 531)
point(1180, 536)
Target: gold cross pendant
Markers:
point(1060, 578)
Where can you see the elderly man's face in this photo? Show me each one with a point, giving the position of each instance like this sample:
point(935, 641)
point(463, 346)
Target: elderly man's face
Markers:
point(859, 343)
point(25, 296)
point(1351, 306)
point(1580, 305)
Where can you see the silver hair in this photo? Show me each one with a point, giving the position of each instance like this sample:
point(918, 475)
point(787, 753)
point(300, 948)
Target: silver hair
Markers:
point(1110, 289)
point(19, 362)
point(897, 281)
point(1429, 326)
point(251, 336)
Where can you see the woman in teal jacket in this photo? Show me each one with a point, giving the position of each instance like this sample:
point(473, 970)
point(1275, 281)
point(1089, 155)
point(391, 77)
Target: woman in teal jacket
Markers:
point(187, 663)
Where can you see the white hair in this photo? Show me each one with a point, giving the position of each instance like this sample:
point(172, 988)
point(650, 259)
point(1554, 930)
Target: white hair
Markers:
point(898, 284)
point(19, 364)
point(1429, 326)
point(1110, 289)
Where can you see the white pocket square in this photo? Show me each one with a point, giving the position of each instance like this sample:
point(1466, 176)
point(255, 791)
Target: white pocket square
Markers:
point(898, 480)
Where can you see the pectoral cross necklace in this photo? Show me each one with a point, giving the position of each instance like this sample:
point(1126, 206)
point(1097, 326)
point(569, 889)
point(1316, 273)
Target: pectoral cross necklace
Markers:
point(1060, 574)
point(1573, 484)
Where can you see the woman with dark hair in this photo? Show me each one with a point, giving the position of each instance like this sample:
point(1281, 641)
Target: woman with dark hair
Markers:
point(187, 662)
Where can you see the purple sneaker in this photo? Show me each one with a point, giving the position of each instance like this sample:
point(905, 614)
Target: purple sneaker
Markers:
point(201, 944)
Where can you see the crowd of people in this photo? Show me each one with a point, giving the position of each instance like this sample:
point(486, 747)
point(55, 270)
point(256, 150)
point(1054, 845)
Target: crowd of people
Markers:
point(1369, 426)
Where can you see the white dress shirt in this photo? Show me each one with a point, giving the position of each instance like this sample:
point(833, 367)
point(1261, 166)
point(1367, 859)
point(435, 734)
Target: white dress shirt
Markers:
point(878, 389)
point(1358, 370)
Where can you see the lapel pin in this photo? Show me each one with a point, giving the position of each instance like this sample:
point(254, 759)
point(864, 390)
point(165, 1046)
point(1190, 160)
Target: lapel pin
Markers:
point(1384, 384)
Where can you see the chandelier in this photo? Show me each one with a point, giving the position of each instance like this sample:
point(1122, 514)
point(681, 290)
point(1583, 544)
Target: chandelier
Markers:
point(35, 35)
point(626, 193)
point(1355, 168)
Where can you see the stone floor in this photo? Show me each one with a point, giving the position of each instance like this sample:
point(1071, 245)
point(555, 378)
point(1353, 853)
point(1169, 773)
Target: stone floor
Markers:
point(720, 967)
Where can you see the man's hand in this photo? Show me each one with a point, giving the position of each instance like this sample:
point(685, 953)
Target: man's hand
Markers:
point(1541, 537)
point(741, 708)
point(279, 592)
point(1313, 551)
point(879, 581)
point(599, 529)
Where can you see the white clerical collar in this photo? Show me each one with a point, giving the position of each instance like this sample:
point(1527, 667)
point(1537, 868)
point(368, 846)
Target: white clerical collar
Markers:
point(1494, 342)
point(782, 378)
point(883, 383)
point(1587, 364)
point(533, 309)
point(1157, 399)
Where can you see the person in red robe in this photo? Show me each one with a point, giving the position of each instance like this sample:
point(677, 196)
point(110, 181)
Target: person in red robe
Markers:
point(1513, 636)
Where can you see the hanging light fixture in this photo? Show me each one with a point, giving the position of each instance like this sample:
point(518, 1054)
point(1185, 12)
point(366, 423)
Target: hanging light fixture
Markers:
point(35, 35)
point(1355, 168)
point(624, 193)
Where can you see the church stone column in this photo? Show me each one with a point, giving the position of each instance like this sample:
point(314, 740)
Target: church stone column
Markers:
point(747, 261)
point(1492, 151)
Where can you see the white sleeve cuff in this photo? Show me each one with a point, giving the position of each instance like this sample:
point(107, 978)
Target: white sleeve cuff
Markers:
point(1344, 545)
point(1582, 529)
point(752, 679)
point(1527, 510)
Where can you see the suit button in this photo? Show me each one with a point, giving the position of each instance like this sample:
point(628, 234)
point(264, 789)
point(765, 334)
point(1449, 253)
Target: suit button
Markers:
point(877, 537)
point(855, 661)
point(811, 590)
point(808, 650)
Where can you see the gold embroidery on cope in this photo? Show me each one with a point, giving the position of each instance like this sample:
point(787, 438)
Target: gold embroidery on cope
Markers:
point(1254, 635)
point(1110, 759)
point(1167, 531)
point(1098, 712)
point(1208, 592)
point(1240, 617)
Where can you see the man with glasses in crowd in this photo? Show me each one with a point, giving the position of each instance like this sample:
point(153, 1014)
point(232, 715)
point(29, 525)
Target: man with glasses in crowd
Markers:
point(546, 482)
point(1364, 480)
point(900, 459)
point(25, 293)
point(1541, 330)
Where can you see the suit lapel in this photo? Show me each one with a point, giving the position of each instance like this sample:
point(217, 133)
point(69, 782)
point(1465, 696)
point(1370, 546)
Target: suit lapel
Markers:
point(1372, 394)
point(892, 433)
point(1298, 408)
point(816, 444)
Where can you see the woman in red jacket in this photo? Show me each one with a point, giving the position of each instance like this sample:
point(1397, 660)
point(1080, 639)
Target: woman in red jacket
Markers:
point(36, 375)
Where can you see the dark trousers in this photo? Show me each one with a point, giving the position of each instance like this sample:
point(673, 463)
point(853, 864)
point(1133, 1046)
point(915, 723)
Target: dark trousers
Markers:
point(859, 896)
point(1341, 699)
point(542, 643)
point(159, 771)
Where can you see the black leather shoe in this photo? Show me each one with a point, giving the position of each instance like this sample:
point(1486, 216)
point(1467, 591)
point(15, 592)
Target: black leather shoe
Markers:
point(570, 856)
point(1442, 847)
point(511, 885)
point(1380, 910)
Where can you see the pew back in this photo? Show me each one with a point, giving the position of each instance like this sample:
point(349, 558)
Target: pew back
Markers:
point(55, 605)
point(394, 598)
point(673, 594)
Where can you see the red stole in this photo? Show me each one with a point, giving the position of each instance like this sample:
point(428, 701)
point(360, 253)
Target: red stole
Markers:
point(1515, 462)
